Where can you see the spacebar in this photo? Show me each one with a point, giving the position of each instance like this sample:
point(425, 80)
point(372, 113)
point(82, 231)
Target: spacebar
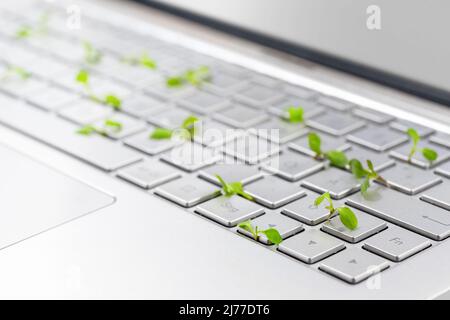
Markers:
point(60, 134)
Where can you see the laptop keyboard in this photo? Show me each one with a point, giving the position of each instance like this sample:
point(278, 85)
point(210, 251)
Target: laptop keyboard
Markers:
point(284, 179)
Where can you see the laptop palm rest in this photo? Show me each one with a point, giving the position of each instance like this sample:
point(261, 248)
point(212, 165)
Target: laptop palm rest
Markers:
point(35, 198)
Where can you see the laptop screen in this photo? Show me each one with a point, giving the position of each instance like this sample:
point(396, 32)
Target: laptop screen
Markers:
point(399, 43)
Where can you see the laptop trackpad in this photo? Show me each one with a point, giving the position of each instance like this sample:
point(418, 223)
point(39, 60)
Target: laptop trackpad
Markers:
point(35, 198)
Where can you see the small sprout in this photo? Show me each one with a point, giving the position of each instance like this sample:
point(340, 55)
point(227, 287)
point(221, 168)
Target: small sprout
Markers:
point(428, 153)
point(144, 60)
point(336, 158)
point(113, 101)
point(116, 126)
point(368, 174)
point(233, 188)
point(295, 114)
point(15, 71)
point(109, 125)
point(195, 77)
point(92, 56)
point(26, 31)
point(87, 130)
point(161, 134)
point(82, 77)
point(346, 215)
point(271, 234)
point(187, 130)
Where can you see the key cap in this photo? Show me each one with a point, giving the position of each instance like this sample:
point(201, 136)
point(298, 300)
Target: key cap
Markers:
point(335, 103)
point(161, 90)
point(239, 116)
point(60, 134)
point(300, 92)
point(439, 196)
point(292, 166)
point(396, 244)
point(405, 211)
point(335, 123)
point(402, 153)
point(188, 191)
point(257, 95)
point(106, 87)
point(305, 211)
point(229, 211)
point(142, 106)
point(337, 182)
point(224, 84)
point(441, 138)
point(328, 143)
point(408, 179)
point(143, 143)
point(311, 246)
point(367, 227)
point(170, 118)
point(285, 226)
point(310, 108)
point(203, 102)
point(251, 149)
point(212, 134)
point(372, 115)
point(279, 131)
point(266, 80)
point(354, 265)
point(191, 156)
point(129, 126)
point(444, 170)
point(84, 112)
point(148, 174)
point(231, 173)
point(52, 98)
point(23, 87)
point(377, 138)
point(273, 192)
point(403, 126)
point(380, 160)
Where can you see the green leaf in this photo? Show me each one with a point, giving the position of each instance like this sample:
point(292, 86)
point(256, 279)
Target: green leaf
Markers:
point(370, 166)
point(228, 190)
point(247, 226)
point(147, 62)
point(161, 134)
point(337, 158)
point(412, 133)
point(357, 168)
point(348, 217)
point(114, 125)
point(91, 54)
point(365, 185)
point(273, 235)
point(174, 82)
point(322, 197)
point(113, 101)
point(189, 122)
point(24, 32)
point(429, 154)
point(233, 188)
point(295, 114)
point(315, 143)
point(82, 77)
point(87, 130)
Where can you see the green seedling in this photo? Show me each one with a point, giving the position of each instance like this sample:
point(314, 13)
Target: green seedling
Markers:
point(346, 215)
point(295, 114)
point(336, 158)
point(195, 77)
point(233, 188)
point(143, 60)
point(428, 153)
point(109, 126)
point(92, 55)
point(14, 71)
point(41, 27)
point(272, 234)
point(186, 130)
point(368, 174)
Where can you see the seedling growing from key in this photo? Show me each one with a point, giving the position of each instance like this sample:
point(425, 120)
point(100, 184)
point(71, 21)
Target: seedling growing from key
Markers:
point(109, 126)
point(41, 27)
point(143, 60)
point(111, 100)
point(271, 234)
point(346, 215)
point(295, 114)
point(230, 189)
point(186, 130)
point(368, 174)
point(428, 153)
point(336, 158)
point(194, 77)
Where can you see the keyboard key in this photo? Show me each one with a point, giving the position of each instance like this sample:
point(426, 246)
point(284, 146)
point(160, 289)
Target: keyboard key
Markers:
point(85, 112)
point(224, 84)
point(239, 116)
point(212, 134)
point(328, 143)
point(337, 182)
point(188, 191)
point(396, 244)
point(279, 130)
point(143, 143)
point(23, 88)
point(52, 98)
point(354, 265)
point(405, 211)
point(311, 246)
point(251, 149)
point(335, 103)
point(265, 80)
point(285, 226)
point(402, 153)
point(142, 106)
point(310, 108)
point(229, 211)
point(441, 138)
point(439, 196)
point(191, 156)
point(367, 226)
point(129, 126)
point(300, 92)
point(409, 179)
point(335, 123)
point(404, 125)
point(148, 174)
point(257, 95)
point(292, 166)
point(161, 90)
point(170, 118)
point(374, 116)
point(231, 173)
point(377, 138)
point(273, 192)
point(380, 160)
point(203, 102)
point(60, 134)
point(444, 170)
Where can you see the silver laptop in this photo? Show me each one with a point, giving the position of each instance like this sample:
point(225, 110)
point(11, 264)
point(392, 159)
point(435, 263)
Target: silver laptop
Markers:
point(170, 149)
